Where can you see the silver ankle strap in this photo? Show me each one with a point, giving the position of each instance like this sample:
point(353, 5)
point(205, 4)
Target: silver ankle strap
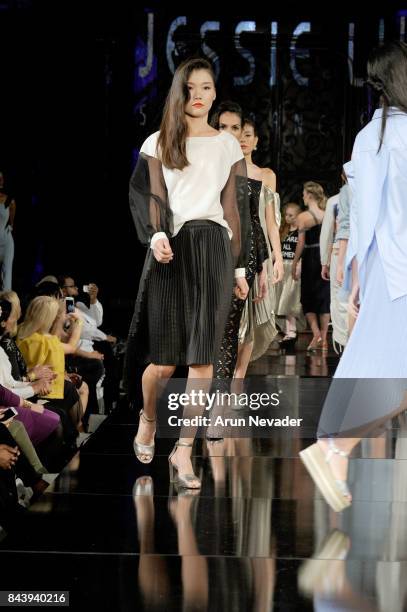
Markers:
point(334, 450)
point(146, 418)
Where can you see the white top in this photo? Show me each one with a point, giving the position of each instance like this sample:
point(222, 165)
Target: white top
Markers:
point(194, 192)
point(89, 332)
point(20, 388)
point(95, 311)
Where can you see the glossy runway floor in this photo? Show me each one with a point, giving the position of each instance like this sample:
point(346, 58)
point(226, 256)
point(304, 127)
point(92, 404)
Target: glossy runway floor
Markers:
point(258, 537)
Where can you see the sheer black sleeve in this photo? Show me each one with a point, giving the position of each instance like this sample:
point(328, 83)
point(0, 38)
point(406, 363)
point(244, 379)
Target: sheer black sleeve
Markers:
point(236, 211)
point(149, 199)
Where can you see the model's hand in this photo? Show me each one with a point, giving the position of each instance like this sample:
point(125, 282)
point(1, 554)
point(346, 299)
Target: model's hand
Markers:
point(353, 301)
point(294, 271)
point(162, 251)
point(242, 288)
point(278, 271)
point(340, 273)
point(263, 287)
point(325, 272)
point(111, 339)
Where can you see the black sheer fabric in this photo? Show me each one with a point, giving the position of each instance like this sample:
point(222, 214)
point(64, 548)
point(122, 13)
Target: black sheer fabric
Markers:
point(149, 199)
point(18, 365)
point(151, 211)
point(235, 202)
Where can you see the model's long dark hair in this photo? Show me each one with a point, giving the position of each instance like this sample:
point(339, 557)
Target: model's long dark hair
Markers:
point(174, 129)
point(227, 106)
point(387, 73)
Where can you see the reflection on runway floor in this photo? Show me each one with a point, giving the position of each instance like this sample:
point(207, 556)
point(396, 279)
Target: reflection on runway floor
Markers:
point(257, 536)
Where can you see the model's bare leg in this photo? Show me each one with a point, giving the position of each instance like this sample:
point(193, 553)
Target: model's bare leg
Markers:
point(151, 377)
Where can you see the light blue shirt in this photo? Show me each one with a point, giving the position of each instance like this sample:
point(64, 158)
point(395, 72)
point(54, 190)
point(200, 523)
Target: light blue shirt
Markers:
point(378, 181)
point(344, 212)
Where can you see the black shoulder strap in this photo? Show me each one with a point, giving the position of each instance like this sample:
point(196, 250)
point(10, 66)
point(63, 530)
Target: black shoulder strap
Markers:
point(314, 216)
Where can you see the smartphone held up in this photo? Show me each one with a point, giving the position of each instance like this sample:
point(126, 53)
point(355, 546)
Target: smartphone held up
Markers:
point(69, 305)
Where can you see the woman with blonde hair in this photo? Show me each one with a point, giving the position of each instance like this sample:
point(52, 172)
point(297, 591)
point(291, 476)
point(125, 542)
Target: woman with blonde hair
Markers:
point(315, 291)
point(39, 345)
point(38, 422)
point(8, 344)
point(39, 373)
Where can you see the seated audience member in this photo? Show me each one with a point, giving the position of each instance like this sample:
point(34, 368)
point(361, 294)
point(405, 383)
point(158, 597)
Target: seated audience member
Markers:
point(90, 363)
point(26, 471)
point(49, 286)
point(56, 448)
point(38, 341)
point(19, 369)
point(39, 422)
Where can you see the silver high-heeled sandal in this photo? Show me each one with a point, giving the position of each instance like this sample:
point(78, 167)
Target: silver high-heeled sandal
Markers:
point(185, 480)
point(146, 450)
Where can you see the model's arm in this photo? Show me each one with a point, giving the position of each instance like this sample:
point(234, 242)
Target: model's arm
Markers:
point(269, 180)
point(327, 234)
point(12, 213)
point(343, 245)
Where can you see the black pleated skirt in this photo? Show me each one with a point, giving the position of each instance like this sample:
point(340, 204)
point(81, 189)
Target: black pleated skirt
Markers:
point(182, 307)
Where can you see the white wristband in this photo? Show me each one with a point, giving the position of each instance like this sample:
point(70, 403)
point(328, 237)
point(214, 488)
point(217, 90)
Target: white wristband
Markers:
point(155, 237)
point(240, 272)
